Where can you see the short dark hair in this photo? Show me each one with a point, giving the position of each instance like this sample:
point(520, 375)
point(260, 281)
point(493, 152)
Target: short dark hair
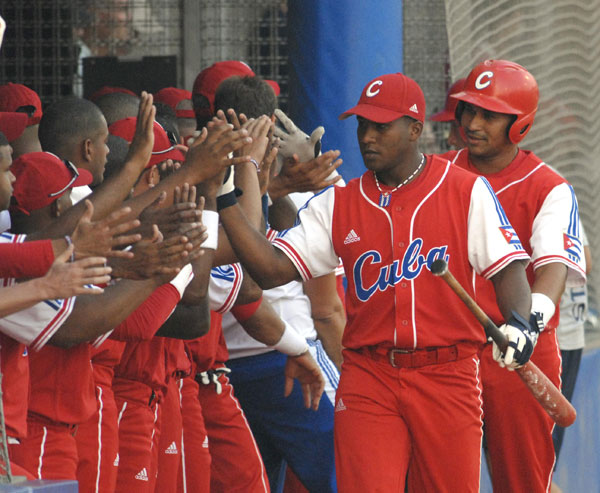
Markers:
point(166, 116)
point(115, 160)
point(118, 105)
point(249, 95)
point(3, 140)
point(67, 122)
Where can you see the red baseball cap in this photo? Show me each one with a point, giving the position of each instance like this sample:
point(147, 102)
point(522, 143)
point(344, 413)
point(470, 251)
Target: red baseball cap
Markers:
point(447, 114)
point(109, 90)
point(14, 96)
point(13, 124)
point(388, 98)
point(163, 148)
point(41, 178)
point(172, 96)
point(207, 81)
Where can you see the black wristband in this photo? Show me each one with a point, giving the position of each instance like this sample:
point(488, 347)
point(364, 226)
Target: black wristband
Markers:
point(227, 200)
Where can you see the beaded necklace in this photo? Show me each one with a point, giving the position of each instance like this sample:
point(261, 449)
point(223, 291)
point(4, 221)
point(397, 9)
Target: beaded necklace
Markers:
point(385, 197)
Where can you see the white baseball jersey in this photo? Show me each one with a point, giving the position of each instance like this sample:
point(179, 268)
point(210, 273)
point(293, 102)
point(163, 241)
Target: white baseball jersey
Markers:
point(392, 298)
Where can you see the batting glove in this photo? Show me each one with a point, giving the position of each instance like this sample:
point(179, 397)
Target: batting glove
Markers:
point(292, 140)
point(522, 338)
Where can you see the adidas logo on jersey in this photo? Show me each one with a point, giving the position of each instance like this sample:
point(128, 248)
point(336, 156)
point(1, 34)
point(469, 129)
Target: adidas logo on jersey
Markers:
point(339, 406)
point(172, 449)
point(351, 238)
point(205, 442)
point(142, 475)
point(116, 462)
point(414, 108)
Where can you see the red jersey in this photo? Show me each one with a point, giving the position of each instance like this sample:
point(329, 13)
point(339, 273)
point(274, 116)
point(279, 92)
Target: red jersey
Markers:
point(392, 298)
point(542, 208)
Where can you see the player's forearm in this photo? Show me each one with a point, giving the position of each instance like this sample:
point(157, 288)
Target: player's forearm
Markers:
point(246, 179)
point(187, 321)
point(264, 325)
point(282, 214)
point(550, 280)
point(21, 296)
point(268, 266)
point(328, 314)
point(94, 315)
point(512, 290)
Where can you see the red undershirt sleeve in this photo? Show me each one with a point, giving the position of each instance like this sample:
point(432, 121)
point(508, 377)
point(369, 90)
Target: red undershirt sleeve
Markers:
point(145, 321)
point(28, 259)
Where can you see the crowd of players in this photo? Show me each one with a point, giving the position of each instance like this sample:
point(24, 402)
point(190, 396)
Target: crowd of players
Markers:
point(138, 234)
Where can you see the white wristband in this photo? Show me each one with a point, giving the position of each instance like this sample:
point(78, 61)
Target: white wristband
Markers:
point(291, 343)
point(542, 304)
point(182, 279)
point(210, 219)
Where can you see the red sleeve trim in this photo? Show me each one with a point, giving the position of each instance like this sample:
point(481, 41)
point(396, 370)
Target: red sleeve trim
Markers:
point(493, 269)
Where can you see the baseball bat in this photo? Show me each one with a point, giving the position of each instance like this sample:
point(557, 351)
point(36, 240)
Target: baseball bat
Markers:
point(545, 392)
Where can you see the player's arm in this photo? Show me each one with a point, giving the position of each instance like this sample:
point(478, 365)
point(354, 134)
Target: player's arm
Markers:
point(496, 253)
point(512, 290)
point(328, 314)
point(63, 280)
point(261, 322)
point(557, 252)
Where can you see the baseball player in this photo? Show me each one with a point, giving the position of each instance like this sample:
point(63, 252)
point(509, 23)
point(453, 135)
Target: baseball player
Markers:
point(496, 109)
point(409, 389)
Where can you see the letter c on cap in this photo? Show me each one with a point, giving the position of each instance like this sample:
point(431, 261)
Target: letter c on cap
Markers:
point(484, 79)
point(370, 92)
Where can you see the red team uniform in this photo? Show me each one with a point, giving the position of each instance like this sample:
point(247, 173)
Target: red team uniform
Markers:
point(236, 464)
point(433, 391)
point(542, 208)
point(21, 332)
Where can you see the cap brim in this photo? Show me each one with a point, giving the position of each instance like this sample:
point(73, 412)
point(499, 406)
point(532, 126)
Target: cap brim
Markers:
point(373, 113)
point(84, 178)
point(485, 102)
point(442, 116)
point(185, 114)
point(171, 153)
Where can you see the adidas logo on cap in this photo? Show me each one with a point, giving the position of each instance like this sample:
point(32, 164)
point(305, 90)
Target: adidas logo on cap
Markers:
point(205, 442)
point(414, 108)
point(142, 475)
point(339, 406)
point(116, 462)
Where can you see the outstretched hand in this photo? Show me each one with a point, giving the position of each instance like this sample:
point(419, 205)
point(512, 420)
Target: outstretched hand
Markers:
point(102, 238)
point(209, 155)
point(140, 149)
point(313, 175)
point(305, 369)
point(65, 279)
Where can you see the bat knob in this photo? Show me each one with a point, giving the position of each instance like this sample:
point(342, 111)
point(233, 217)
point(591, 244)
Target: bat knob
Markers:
point(439, 267)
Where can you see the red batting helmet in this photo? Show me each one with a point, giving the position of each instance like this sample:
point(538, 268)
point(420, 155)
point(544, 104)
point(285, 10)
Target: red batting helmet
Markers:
point(503, 87)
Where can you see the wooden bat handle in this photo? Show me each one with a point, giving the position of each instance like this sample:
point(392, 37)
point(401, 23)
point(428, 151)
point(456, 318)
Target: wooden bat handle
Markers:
point(545, 392)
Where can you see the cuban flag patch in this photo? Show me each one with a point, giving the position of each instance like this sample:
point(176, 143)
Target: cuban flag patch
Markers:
point(572, 246)
point(510, 235)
